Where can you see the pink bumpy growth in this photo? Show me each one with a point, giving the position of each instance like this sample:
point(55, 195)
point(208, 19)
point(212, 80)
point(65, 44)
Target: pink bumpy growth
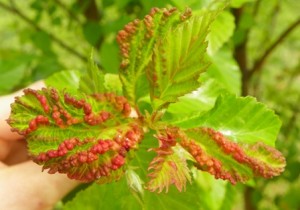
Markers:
point(77, 153)
point(244, 155)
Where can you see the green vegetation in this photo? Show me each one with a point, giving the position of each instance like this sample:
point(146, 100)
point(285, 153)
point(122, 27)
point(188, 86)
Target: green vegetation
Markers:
point(183, 94)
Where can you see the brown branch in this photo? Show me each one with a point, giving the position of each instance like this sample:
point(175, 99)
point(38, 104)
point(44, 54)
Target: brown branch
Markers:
point(90, 10)
point(248, 198)
point(260, 62)
point(240, 53)
point(18, 13)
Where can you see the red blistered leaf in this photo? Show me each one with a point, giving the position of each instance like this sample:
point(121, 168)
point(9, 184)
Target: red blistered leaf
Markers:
point(228, 160)
point(86, 137)
point(90, 159)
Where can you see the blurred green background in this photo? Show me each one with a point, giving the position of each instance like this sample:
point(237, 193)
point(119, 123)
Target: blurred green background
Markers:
point(255, 51)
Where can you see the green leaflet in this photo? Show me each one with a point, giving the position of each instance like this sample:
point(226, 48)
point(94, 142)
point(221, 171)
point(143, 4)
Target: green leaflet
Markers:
point(178, 59)
point(241, 119)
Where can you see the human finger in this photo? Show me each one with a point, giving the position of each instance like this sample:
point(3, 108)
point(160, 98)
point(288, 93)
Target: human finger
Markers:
point(14, 153)
point(25, 187)
point(4, 149)
point(2, 165)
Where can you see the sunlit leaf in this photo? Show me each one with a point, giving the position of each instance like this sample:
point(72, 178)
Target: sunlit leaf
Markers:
point(240, 119)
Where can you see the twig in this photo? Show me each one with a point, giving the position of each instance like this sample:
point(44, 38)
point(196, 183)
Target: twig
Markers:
point(240, 53)
point(260, 62)
point(90, 10)
point(17, 12)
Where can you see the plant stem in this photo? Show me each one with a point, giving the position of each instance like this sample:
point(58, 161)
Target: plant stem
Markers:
point(240, 54)
point(247, 197)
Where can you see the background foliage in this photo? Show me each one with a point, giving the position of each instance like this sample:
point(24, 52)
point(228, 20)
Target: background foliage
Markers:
point(255, 50)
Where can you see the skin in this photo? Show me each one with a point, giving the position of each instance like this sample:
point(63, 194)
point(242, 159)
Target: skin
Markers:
point(22, 183)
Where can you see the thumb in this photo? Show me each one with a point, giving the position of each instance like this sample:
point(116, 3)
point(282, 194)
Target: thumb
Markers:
point(4, 149)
